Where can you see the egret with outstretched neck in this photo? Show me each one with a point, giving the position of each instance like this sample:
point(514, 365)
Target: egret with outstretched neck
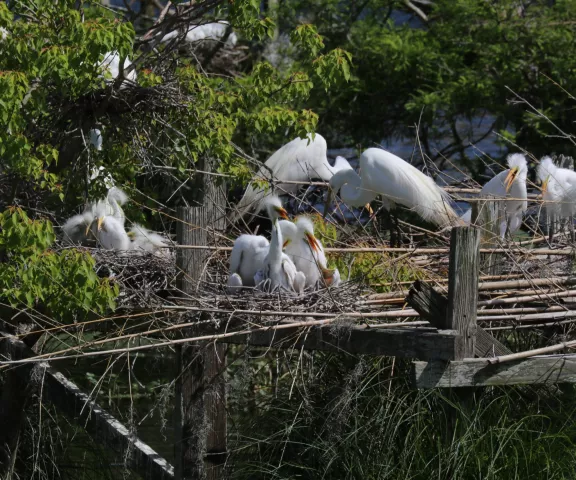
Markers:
point(398, 182)
point(300, 160)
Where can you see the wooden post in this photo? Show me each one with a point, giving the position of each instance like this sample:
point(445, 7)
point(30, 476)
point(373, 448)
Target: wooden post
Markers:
point(200, 410)
point(463, 285)
point(485, 217)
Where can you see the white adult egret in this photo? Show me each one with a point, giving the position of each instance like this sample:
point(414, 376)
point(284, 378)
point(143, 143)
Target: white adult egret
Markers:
point(250, 252)
point(75, 230)
point(558, 191)
point(298, 161)
point(108, 230)
point(383, 173)
point(111, 65)
point(510, 183)
point(214, 31)
point(306, 251)
point(145, 240)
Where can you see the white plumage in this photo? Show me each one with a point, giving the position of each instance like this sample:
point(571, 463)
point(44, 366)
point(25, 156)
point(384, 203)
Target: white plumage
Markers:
point(510, 183)
point(96, 138)
point(383, 173)
point(111, 65)
point(108, 230)
point(558, 188)
point(298, 161)
point(75, 230)
point(210, 31)
point(307, 252)
point(145, 240)
point(279, 270)
point(112, 204)
point(256, 260)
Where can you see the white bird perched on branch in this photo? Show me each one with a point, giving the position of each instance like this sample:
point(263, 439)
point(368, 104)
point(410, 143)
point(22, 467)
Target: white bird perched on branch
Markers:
point(108, 230)
point(307, 252)
point(111, 64)
point(250, 252)
point(209, 31)
point(298, 161)
point(383, 173)
point(558, 191)
point(510, 183)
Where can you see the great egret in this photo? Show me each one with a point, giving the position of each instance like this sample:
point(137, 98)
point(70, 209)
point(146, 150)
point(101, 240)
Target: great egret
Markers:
point(214, 31)
point(306, 251)
point(111, 64)
point(108, 230)
point(145, 240)
point(75, 230)
point(112, 204)
point(298, 161)
point(279, 270)
point(383, 173)
point(510, 183)
point(250, 252)
point(558, 191)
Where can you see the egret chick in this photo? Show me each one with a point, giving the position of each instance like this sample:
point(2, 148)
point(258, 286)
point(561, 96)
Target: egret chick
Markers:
point(75, 230)
point(108, 230)
point(510, 183)
point(145, 240)
point(306, 251)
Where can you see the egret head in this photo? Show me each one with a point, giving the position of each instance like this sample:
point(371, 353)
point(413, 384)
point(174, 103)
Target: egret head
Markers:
point(518, 168)
point(99, 222)
point(546, 171)
point(275, 209)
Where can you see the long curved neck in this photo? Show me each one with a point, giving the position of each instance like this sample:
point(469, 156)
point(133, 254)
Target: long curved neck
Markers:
point(288, 229)
point(352, 188)
point(276, 242)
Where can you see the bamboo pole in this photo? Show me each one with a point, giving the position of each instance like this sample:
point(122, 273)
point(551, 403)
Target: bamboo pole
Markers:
point(416, 251)
point(532, 353)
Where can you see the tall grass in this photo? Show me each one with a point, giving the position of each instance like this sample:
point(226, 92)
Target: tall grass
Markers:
point(357, 418)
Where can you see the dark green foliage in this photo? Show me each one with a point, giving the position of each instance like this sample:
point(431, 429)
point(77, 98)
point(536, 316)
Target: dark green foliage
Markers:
point(468, 60)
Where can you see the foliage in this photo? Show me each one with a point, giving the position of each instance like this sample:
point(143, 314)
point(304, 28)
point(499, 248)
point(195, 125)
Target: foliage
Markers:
point(466, 70)
point(62, 284)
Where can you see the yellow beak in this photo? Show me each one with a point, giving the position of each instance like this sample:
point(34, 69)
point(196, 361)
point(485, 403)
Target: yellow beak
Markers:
point(545, 185)
point(510, 178)
point(313, 242)
point(283, 213)
point(100, 221)
point(369, 208)
point(88, 228)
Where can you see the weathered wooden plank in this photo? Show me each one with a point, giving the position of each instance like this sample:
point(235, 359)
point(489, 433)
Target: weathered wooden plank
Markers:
point(70, 400)
point(479, 372)
point(405, 342)
point(432, 306)
point(463, 285)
